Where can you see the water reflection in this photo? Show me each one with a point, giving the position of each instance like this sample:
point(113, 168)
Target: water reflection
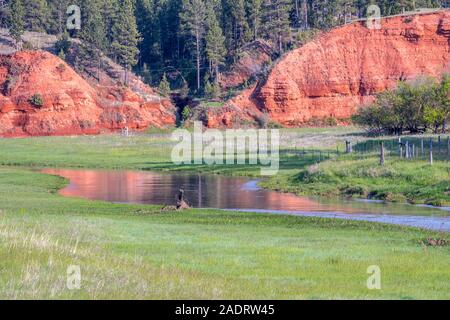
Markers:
point(208, 191)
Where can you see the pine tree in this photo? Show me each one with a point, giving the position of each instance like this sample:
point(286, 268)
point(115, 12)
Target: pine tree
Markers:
point(36, 15)
point(93, 35)
point(4, 13)
point(193, 19)
point(57, 13)
point(126, 37)
point(241, 33)
point(17, 27)
point(164, 86)
point(215, 44)
point(255, 17)
point(276, 21)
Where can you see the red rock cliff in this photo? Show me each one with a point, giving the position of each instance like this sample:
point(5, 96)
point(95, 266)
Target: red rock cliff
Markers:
point(332, 75)
point(70, 105)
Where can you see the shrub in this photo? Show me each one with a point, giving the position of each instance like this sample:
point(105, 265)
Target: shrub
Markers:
point(186, 113)
point(36, 100)
point(262, 120)
point(413, 107)
point(28, 46)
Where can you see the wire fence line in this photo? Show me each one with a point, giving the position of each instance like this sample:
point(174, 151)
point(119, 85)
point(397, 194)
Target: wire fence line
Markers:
point(406, 148)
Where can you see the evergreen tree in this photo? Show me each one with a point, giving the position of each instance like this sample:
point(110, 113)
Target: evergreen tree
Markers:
point(4, 13)
point(164, 86)
point(239, 29)
point(255, 17)
point(276, 21)
point(36, 15)
point(215, 44)
point(193, 19)
point(125, 37)
point(57, 16)
point(17, 27)
point(93, 35)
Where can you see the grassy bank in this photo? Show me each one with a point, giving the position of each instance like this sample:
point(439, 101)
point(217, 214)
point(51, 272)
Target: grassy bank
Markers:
point(127, 251)
point(399, 181)
point(347, 176)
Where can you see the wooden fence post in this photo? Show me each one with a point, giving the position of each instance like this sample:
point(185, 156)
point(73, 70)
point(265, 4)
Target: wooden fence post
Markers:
point(407, 149)
point(349, 148)
point(448, 147)
point(422, 147)
point(439, 144)
point(431, 151)
point(382, 156)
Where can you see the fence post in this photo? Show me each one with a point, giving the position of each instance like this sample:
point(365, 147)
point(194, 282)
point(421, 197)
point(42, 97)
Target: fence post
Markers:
point(413, 151)
point(422, 148)
point(431, 151)
point(439, 144)
point(407, 150)
point(349, 148)
point(448, 147)
point(382, 156)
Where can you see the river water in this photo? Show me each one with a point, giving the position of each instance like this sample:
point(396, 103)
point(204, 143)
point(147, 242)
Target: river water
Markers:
point(236, 193)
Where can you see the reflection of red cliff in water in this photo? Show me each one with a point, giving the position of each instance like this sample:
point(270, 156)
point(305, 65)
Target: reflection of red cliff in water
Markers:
point(201, 191)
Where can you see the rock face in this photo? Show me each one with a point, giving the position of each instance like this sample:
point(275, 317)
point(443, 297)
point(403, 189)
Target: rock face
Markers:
point(344, 68)
point(41, 95)
point(250, 63)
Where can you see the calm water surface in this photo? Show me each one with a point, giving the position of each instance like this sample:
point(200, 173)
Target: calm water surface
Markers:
point(231, 193)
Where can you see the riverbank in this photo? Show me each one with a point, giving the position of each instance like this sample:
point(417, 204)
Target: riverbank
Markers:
point(324, 171)
point(140, 252)
point(398, 181)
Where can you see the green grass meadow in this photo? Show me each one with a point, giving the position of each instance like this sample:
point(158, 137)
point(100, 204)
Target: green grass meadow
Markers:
point(144, 252)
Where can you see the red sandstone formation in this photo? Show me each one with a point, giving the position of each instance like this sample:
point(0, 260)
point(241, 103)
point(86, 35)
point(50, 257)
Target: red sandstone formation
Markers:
point(250, 63)
point(70, 105)
point(344, 68)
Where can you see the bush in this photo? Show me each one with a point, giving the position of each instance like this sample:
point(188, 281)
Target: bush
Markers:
point(28, 46)
point(414, 107)
point(212, 90)
point(262, 120)
point(36, 100)
point(186, 113)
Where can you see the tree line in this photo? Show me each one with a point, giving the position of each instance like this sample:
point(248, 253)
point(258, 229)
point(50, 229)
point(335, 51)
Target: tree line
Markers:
point(415, 107)
point(197, 38)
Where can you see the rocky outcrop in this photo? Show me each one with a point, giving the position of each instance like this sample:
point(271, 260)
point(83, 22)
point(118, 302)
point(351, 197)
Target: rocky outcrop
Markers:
point(344, 68)
point(41, 95)
point(250, 62)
